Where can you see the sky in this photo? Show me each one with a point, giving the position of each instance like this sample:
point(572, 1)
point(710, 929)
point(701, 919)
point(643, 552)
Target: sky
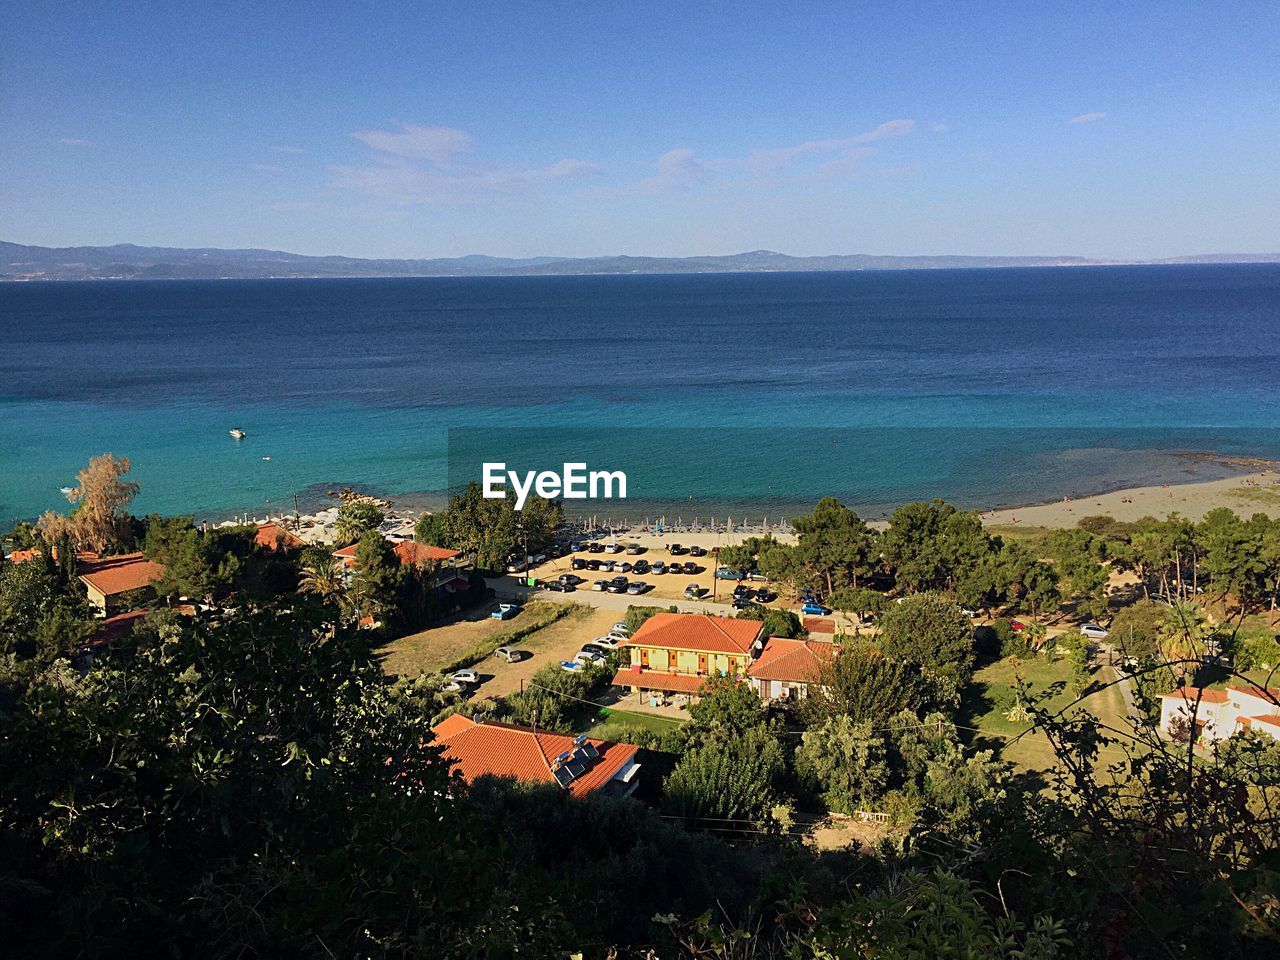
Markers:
point(426, 129)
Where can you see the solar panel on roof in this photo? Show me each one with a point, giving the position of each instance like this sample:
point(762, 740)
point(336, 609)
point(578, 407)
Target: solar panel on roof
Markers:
point(580, 739)
point(563, 776)
point(590, 750)
point(575, 769)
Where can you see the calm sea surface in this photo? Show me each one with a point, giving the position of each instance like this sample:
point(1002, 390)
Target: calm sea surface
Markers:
point(716, 391)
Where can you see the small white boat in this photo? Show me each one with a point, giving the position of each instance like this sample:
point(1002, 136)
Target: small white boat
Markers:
point(237, 433)
point(266, 458)
point(66, 490)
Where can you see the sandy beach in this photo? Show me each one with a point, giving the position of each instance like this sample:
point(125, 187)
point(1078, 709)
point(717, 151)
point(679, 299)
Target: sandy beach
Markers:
point(1246, 494)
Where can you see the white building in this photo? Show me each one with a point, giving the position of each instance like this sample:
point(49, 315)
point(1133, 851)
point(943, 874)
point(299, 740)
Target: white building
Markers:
point(1217, 714)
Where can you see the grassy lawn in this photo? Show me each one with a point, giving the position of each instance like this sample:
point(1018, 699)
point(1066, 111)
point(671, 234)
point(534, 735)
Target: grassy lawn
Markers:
point(472, 631)
point(988, 699)
point(609, 722)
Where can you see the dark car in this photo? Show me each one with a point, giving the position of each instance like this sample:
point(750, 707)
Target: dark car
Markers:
point(595, 548)
point(559, 586)
point(764, 596)
point(571, 578)
point(691, 568)
point(593, 564)
point(577, 563)
point(641, 566)
point(676, 550)
point(742, 590)
point(742, 603)
point(697, 552)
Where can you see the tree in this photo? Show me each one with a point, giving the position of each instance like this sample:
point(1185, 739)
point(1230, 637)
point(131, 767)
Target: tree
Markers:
point(729, 775)
point(1136, 629)
point(777, 622)
point(355, 519)
point(847, 761)
point(863, 684)
point(930, 545)
point(322, 574)
point(834, 545)
point(857, 602)
point(1080, 561)
point(433, 528)
point(376, 578)
point(99, 520)
point(726, 703)
point(929, 629)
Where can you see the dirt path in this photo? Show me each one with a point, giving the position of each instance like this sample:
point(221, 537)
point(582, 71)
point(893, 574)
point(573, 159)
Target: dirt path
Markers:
point(559, 641)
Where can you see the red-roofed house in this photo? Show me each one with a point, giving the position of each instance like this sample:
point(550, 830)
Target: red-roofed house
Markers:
point(579, 765)
point(109, 578)
point(272, 536)
point(1217, 714)
point(785, 668)
point(675, 652)
point(406, 551)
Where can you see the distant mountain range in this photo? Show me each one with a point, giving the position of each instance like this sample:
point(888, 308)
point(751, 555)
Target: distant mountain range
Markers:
point(128, 262)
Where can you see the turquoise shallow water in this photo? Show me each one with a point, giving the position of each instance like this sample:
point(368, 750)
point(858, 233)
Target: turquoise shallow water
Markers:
point(762, 390)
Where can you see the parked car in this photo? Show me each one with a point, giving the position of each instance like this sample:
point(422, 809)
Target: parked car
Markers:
point(593, 564)
point(613, 548)
point(538, 558)
point(559, 586)
point(742, 590)
point(728, 573)
point(637, 587)
point(634, 549)
point(505, 611)
point(658, 568)
point(453, 686)
point(600, 585)
point(589, 656)
point(765, 596)
point(1093, 631)
point(510, 654)
point(577, 563)
point(813, 608)
point(624, 567)
point(641, 566)
point(595, 547)
point(1017, 626)
point(676, 550)
point(607, 642)
point(741, 603)
point(517, 566)
point(697, 552)
point(691, 568)
point(465, 676)
point(971, 614)
point(572, 666)
point(621, 627)
point(692, 592)
point(575, 546)
point(571, 578)
point(595, 648)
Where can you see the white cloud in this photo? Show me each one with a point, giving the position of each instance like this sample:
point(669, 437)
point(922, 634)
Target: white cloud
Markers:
point(824, 159)
point(438, 145)
point(402, 182)
point(1087, 118)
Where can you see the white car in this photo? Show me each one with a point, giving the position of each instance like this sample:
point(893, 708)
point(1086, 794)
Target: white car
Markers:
point(608, 641)
point(621, 628)
point(464, 676)
point(1093, 631)
point(971, 614)
point(589, 657)
point(453, 686)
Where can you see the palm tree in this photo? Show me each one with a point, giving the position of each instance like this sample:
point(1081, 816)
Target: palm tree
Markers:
point(1184, 637)
point(322, 575)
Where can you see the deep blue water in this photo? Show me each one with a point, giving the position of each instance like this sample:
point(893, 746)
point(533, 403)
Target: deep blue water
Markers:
point(357, 381)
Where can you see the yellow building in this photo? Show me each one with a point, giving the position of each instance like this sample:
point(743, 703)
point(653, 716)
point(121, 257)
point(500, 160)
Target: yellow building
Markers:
point(676, 652)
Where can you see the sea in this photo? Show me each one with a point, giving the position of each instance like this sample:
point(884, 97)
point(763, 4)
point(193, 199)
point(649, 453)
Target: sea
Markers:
point(714, 393)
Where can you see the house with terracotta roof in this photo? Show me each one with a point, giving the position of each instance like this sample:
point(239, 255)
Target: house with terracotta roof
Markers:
point(408, 552)
point(578, 765)
point(1217, 714)
point(785, 668)
point(109, 579)
point(677, 652)
point(272, 536)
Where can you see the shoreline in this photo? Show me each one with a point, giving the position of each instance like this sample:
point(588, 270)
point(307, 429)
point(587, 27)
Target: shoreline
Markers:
point(1254, 488)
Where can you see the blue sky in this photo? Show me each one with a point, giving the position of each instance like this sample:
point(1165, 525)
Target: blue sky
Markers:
point(440, 129)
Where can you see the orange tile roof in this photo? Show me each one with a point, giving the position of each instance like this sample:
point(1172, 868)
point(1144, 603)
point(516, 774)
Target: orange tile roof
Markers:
point(113, 628)
point(113, 575)
point(820, 624)
point(795, 661)
point(1194, 694)
point(20, 556)
point(521, 753)
point(1273, 719)
point(275, 537)
point(697, 631)
point(657, 680)
point(410, 551)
